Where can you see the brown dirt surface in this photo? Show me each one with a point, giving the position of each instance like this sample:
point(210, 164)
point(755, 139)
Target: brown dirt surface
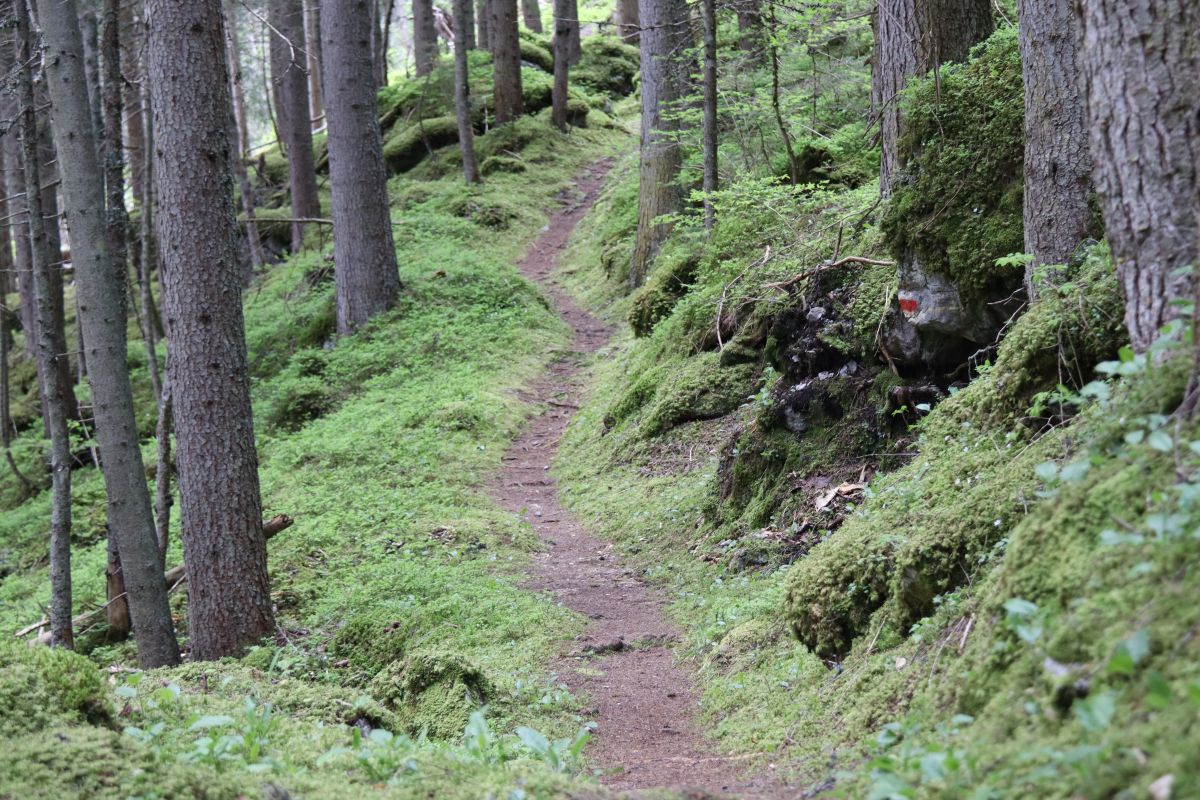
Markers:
point(643, 702)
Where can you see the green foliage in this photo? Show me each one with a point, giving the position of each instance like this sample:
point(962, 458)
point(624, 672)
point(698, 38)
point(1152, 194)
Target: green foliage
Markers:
point(607, 66)
point(433, 691)
point(956, 205)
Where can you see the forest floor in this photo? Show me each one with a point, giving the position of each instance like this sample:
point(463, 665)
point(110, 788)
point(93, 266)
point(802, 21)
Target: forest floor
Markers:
point(643, 703)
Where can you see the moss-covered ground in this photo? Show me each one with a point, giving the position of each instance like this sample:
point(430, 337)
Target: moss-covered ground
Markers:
point(407, 653)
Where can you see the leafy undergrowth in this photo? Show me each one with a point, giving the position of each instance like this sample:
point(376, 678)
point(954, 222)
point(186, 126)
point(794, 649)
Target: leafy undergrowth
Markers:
point(1006, 608)
point(397, 591)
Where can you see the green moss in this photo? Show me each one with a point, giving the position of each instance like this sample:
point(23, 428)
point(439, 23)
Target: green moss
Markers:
point(535, 53)
point(956, 206)
point(493, 164)
point(406, 146)
point(607, 66)
point(674, 271)
point(41, 685)
point(699, 388)
point(433, 691)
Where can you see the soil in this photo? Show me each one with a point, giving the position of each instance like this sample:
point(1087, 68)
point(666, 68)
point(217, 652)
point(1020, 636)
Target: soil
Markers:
point(643, 702)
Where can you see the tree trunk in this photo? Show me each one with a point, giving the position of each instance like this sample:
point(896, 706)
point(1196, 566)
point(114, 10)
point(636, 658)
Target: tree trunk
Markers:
point(312, 39)
point(1142, 71)
point(7, 319)
point(665, 36)
point(100, 278)
point(132, 41)
point(90, 28)
point(506, 61)
point(229, 599)
point(709, 12)
point(464, 26)
point(148, 245)
point(49, 357)
point(164, 470)
point(365, 274)
point(750, 28)
point(245, 190)
point(462, 97)
point(562, 64)
point(288, 72)
point(574, 47)
point(531, 12)
point(425, 47)
point(14, 189)
point(913, 37)
point(483, 24)
point(629, 27)
point(1057, 159)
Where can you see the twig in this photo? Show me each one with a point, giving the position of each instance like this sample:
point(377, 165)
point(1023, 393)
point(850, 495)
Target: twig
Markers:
point(828, 265)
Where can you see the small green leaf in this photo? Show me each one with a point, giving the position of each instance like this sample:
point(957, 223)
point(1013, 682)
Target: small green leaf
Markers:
point(1161, 441)
point(211, 721)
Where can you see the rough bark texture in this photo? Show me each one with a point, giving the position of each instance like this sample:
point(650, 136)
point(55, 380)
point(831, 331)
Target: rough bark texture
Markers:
point(709, 13)
point(425, 48)
point(462, 99)
point(1057, 159)
point(100, 279)
point(229, 601)
point(628, 25)
point(49, 357)
point(1142, 70)
point(364, 255)
point(665, 36)
point(506, 60)
point(913, 37)
point(562, 64)
point(288, 72)
point(531, 12)
point(483, 24)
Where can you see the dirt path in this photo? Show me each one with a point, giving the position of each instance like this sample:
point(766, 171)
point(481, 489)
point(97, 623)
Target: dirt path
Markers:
point(643, 703)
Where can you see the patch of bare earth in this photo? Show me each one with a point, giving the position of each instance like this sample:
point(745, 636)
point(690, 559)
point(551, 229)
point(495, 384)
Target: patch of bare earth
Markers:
point(643, 702)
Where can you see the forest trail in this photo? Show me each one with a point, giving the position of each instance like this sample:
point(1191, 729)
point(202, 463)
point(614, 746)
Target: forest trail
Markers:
point(643, 703)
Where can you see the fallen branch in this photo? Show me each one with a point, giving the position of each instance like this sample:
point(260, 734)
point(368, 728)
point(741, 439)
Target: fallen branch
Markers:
point(173, 578)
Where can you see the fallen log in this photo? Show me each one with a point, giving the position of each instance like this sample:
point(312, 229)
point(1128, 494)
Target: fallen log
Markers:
point(173, 577)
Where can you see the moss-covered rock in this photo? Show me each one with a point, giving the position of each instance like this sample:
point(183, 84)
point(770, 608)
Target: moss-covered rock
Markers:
point(434, 691)
point(406, 146)
point(494, 164)
point(535, 54)
point(40, 686)
point(699, 388)
point(674, 271)
point(607, 66)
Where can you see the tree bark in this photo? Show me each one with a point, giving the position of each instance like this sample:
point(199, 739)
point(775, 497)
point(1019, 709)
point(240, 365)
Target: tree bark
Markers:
point(288, 72)
point(148, 245)
point(49, 358)
point(1057, 159)
point(312, 39)
point(483, 24)
point(98, 252)
point(425, 48)
point(1140, 63)
point(666, 34)
point(464, 26)
point(132, 41)
point(913, 37)
point(90, 27)
point(462, 98)
point(365, 273)
point(574, 46)
point(629, 26)
point(506, 61)
point(531, 12)
point(562, 64)
point(229, 603)
point(709, 12)
point(164, 470)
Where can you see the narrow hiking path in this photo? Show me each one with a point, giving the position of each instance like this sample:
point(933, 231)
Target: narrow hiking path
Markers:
point(643, 703)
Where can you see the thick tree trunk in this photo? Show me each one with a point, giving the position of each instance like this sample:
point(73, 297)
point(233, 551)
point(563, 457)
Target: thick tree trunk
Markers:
point(913, 37)
point(288, 72)
point(483, 24)
point(229, 599)
point(365, 273)
point(665, 36)
point(709, 12)
point(574, 47)
point(629, 26)
point(1058, 162)
point(100, 277)
point(462, 98)
point(562, 64)
point(531, 12)
point(49, 357)
point(1141, 63)
point(506, 61)
point(312, 39)
point(425, 47)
